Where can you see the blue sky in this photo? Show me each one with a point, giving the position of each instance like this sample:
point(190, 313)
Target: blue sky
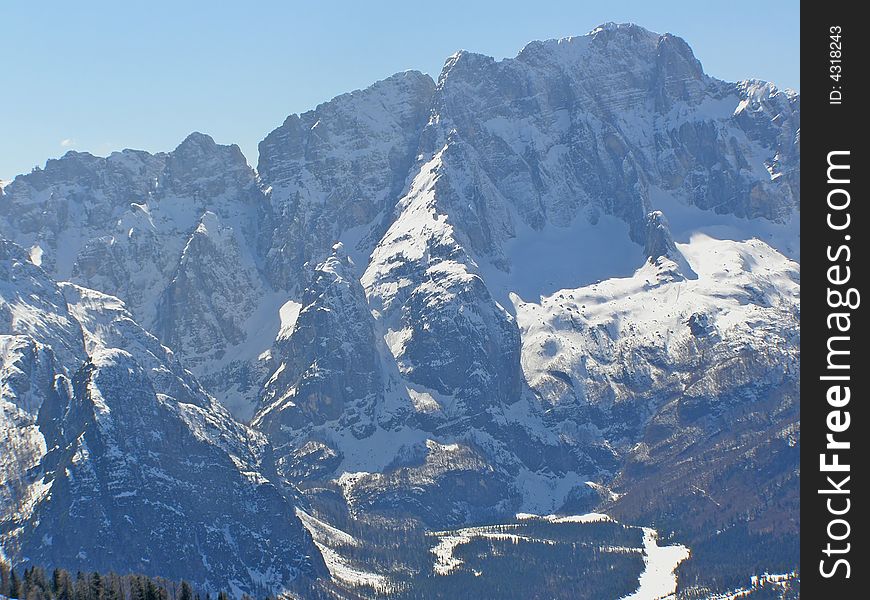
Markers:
point(100, 76)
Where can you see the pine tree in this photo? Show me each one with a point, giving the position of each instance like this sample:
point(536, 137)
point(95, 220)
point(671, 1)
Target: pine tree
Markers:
point(63, 585)
point(39, 581)
point(28, 582)
point(151, 591)
point(112, 587)
point(186, 593)
point(97, 591)
point(4, 578)
point(56, 582)
point(136, 590)
point(15, 587)
point(82, 589)
point(35, 593)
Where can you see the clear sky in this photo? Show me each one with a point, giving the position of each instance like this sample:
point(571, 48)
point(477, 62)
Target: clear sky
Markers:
point(100, 76)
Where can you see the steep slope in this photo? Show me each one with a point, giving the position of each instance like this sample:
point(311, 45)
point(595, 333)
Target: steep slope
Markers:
point(116, 459)
point(147, 229)
point(327, 371)
point(696, 384)
point(606, 158)
point(203, 252)
point(573, 131)
point(335, 172)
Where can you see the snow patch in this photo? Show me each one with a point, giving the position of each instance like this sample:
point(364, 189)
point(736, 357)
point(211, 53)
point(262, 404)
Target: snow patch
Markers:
point(340, 568)
point(555, 258)
point(445, 562)
point(592, 517)
point(687, 221)
point(325, 532)
point(36, 255)
point(289, 313)
point(658, 580)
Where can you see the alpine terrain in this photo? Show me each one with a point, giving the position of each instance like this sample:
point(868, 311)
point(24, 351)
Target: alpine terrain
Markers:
point(526, 331)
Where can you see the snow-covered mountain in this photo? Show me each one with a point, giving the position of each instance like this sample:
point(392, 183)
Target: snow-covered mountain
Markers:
point(115, 458)
point(555, 282)
point(173, 235)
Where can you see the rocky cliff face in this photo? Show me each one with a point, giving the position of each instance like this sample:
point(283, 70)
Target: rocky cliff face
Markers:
point(172, 234)
point(535, 177)
point(328, 371)
point(335, 172)
point(115, 458)
point(533, 285)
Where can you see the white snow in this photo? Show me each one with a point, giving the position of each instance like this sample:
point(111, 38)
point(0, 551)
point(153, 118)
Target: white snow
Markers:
point(743, 286)
point(341, 570)
point(396, 340)
point(423, 401)
point(658, 580)
point(262, 328)
point(613, 496)
point(544, 492)
point(556, 258)
point(688, 221)
point(445, 562)
point(327, 538)
point(592, 517)
point(325, 532)
point(288, 313)
point(36, 255)
point(376, 452)
point(756, 581)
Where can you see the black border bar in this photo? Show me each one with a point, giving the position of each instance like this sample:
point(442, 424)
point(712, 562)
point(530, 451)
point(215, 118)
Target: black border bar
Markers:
point(834, 225)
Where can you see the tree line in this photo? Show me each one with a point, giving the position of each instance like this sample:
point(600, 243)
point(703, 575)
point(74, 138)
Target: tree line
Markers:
point(35, 584)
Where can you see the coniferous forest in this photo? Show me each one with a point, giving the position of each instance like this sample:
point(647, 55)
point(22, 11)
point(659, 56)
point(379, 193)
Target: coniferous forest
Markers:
point(36, 583)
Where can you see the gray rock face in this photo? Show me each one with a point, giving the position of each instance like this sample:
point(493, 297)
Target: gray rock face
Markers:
point(441, 324)
point(601, 119)
point(339, 169)
point(579, 130)
point(437, 483)
point(116, 459)
point(204, 307)
point(172, 234)
point(327, 369)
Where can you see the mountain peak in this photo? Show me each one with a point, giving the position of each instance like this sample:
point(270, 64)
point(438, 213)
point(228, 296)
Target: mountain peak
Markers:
point(201, 141)
point(611, 26)
point(199, 157)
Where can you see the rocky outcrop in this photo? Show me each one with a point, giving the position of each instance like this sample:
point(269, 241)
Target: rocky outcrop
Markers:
point(116, 459)
point(334, 173)
point(328, 370)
